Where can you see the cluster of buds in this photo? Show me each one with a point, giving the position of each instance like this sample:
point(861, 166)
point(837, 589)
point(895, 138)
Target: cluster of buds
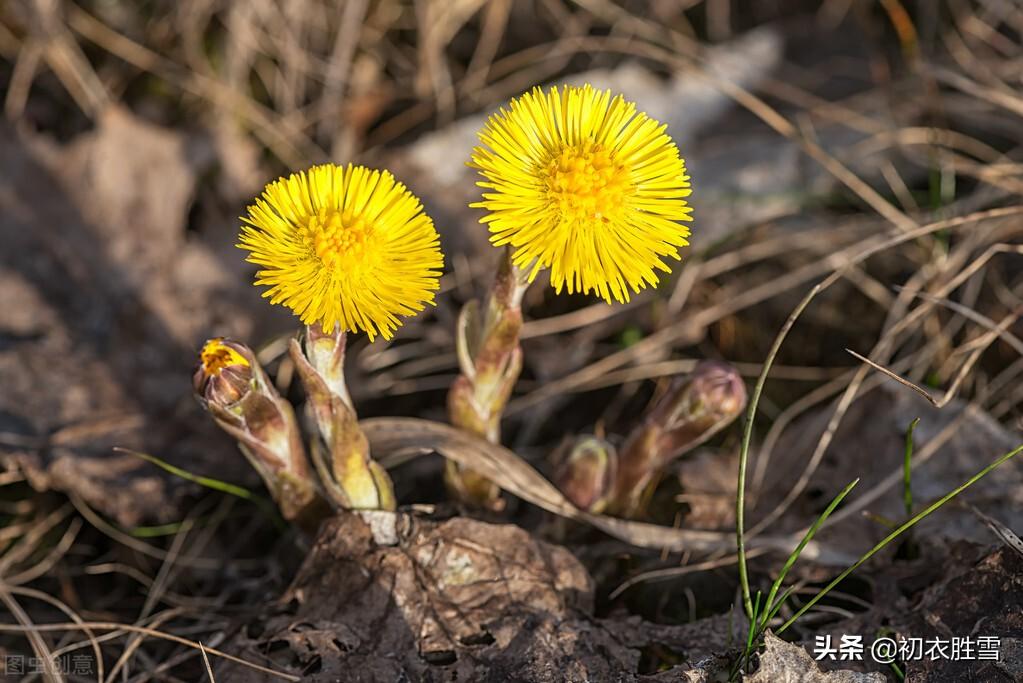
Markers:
point(490, 359)
point(597, 477)
point(235, 390)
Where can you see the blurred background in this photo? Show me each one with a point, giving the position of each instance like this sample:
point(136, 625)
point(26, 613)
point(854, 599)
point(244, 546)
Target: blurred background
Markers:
point(135, 133)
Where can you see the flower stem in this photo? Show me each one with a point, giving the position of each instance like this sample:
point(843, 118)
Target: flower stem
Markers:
point(350, 476)
point(490, 359)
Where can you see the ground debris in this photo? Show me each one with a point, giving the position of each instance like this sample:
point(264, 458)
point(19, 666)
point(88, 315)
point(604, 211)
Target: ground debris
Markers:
point(981, 595)
point(457, 600)
point(783, 662)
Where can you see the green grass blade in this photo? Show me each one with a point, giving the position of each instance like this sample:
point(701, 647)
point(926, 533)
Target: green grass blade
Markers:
point(898, 532)
point(777, 606)
point(217, 485)
point(208, 482)
point(742, 663)
point(907, 490)
point(756, 615)
point(156, 531)
point(747, 438)
point(835, 502)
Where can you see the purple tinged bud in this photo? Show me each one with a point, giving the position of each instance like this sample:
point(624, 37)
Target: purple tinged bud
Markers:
point(587, 473)
point(695, 408)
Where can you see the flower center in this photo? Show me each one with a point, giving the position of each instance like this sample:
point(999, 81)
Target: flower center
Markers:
point(216, 355)
point(338, 238)
point(586, 184)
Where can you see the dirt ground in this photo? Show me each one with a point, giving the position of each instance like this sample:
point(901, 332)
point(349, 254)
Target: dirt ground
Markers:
point(857, 173)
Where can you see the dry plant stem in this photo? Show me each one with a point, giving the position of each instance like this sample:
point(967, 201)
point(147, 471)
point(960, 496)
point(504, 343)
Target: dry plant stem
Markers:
point(342, 458)
point(695, 408)
point(490, 359)
point(232, 386)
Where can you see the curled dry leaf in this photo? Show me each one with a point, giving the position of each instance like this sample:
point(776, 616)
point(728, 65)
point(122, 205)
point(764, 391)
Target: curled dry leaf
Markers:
point(393, 440)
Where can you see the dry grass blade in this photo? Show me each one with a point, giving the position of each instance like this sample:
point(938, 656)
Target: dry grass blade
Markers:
point(49, 599)
point(668, 573)
point(1002, 328)
point(52, 557)
point(903, 322)
point(686, 327)
point(153, 595)
point(67, 60)
point(785, 418)
point(39, 646)
point(1004, 533)
point(996, 330)
point(27, 545)
point(294, 148)
point(135, 544)
point(206, 661)
point(904, 382)
point(352, 17)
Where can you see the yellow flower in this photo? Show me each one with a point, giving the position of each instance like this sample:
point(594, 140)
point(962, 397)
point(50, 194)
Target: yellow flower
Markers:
point(344, 245)
point(579, 182)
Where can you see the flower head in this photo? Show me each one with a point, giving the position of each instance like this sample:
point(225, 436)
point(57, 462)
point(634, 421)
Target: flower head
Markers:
point(344, 246)
point(580, 182)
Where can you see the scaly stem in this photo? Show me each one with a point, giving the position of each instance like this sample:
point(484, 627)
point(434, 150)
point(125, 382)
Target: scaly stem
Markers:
point(232, 386)
point(490, 360)
point(342, 458)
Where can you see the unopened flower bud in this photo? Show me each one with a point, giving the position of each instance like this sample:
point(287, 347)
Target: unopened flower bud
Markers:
point(224, 374)
point(232, 386)
point(587, 473)
point(695, 408)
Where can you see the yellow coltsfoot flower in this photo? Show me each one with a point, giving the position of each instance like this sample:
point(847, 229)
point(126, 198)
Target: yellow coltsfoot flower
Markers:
point(344, 245)
point(580, 182)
